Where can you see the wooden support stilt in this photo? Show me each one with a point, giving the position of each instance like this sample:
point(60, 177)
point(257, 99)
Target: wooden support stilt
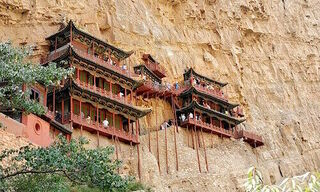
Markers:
point(188, 135)
point(211, 137)
point(157, 135)
point(205, 151)
point(175, 133)
point(198, 137)
point(138, 152)
point(166, 145)
point(197, 146)
point(149, 140)
point(193, 141)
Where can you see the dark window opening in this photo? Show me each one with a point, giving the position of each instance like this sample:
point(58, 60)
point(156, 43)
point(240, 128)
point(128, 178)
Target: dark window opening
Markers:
point(34, 95)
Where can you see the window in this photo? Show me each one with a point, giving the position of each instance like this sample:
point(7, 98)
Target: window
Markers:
point(34, 95)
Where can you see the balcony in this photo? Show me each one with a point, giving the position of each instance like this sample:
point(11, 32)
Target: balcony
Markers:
point(251, 138)
point(157, 69)
point(54, 54)
point(104, 93)
point(217, 93)
point(207, 127)
point(101, 62)
point(162, 90)
point(109, 132)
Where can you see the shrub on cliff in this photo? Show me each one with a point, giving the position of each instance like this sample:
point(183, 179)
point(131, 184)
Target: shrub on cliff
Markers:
point(306, 182)
point(63, 166)
point(15, 71)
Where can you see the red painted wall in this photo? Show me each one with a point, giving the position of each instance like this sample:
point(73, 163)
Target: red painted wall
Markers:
point(37, 130)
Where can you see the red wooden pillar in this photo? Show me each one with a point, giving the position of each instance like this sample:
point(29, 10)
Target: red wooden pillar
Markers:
point(131, 93)
point(128, 124)
point(110, 88)
point(97, 125)
point(94, 81)
point(45, 97)
point(113, 125)
point(80, 103)
point(71, 110)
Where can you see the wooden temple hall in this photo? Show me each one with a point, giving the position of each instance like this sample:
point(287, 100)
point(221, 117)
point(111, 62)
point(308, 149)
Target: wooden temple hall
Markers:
point(101, 96)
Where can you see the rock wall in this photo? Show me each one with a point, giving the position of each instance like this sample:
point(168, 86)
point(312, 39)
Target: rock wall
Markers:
point(268, 52)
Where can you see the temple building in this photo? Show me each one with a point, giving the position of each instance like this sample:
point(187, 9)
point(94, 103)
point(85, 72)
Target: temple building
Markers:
point(99, 98)
point(202, 105)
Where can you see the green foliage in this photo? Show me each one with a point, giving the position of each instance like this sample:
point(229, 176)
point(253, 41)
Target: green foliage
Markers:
point(63, 166)
point(306, 182)
point(15, 71)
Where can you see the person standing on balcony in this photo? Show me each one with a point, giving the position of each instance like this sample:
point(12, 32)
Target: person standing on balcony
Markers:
point(191, 116)
point(88, 119)
point(183, 117)
point(105, 123)
point(177, 85)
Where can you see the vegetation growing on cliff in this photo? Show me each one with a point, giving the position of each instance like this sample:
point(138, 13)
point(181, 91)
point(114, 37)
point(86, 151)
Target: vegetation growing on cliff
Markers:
point(306, 182)
point(63, 166)
point(16, 71)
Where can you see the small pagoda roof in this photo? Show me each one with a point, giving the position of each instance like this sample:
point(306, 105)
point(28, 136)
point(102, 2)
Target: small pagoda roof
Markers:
point(191, 70)
point(193, 89)
point(210, 112)
point(120, 54)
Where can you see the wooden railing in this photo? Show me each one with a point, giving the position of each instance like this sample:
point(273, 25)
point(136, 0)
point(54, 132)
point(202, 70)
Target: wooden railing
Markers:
point(208, 126)
point(121, 134)
point(249, 135)
point(216, 93)
point(102, 62)
point(50, 114)
point(102, 92)
point(164, 88)
point(54, 54)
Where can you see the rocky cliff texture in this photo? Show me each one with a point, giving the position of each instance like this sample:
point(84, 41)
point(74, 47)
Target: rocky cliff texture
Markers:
point(268, 51)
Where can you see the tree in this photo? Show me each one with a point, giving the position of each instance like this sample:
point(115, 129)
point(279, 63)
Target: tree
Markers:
point(16, 71)
point(307, 182)
point(63, 166)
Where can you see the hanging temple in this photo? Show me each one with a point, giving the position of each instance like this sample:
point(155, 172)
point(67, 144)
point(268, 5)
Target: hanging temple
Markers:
point(101, 97)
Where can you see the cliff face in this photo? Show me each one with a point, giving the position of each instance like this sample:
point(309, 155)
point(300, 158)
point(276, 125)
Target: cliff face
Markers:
point(268, 52)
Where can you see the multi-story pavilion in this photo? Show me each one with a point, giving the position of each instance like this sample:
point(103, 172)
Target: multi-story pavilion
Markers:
point(99, 98)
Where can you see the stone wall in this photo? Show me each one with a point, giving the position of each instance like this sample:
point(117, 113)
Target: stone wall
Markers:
point(268, 52)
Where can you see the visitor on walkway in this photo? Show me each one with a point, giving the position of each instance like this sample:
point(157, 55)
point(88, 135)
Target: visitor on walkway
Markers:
point(105, 123)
